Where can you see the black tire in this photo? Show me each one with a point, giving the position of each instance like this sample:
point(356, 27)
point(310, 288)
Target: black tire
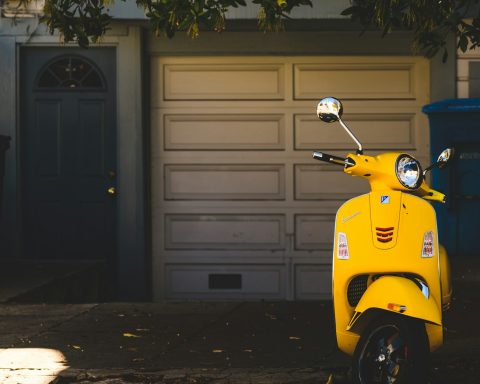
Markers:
point(392, 349)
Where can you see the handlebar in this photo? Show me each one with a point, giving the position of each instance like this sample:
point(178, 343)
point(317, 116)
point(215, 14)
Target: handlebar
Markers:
point(331, 158)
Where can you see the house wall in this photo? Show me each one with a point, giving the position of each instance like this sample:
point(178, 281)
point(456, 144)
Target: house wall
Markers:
point(131, 202)
point(328, 9)
point(8, 104)
point(468, 74)
point(341, 38)
point(133, 114)
point(295, 272)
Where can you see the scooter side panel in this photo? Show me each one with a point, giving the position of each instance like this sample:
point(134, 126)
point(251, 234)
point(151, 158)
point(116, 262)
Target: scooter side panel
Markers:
point(353, 221)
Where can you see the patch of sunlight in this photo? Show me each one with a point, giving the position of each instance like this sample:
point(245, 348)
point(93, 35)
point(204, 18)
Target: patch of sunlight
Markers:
point(30, 365)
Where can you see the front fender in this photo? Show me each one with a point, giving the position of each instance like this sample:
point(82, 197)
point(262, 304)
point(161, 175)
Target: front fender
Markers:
point(403, 293)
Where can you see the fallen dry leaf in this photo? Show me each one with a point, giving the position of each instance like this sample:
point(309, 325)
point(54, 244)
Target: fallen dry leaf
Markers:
point(126, 334)
point(218, 351)
point(137, 359)
point(77, 347)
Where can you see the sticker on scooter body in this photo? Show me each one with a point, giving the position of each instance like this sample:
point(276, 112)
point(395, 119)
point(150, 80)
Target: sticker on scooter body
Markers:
point(385, 199)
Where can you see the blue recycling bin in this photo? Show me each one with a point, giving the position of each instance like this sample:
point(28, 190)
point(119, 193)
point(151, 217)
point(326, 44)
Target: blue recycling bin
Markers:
point(456, 123)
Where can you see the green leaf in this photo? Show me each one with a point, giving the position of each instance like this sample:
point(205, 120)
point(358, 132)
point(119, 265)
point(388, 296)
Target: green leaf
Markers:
point(463, 43)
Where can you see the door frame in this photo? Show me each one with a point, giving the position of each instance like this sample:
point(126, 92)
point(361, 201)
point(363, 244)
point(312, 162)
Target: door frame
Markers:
point(132, 267)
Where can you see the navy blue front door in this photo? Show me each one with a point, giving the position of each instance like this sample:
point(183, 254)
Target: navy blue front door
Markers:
point(68, 153)
point(467, 197)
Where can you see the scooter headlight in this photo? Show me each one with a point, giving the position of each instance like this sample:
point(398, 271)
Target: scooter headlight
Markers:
point(408, 171)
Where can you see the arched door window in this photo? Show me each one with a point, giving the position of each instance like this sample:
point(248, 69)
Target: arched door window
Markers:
point(70, 73)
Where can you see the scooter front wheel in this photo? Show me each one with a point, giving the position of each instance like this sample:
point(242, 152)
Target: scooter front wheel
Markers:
point(392, 349)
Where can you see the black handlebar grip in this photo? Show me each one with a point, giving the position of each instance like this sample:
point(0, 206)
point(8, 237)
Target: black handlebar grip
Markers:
point(329, 158)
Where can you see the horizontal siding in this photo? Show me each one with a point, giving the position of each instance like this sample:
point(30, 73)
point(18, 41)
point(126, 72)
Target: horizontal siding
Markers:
point(326, 9)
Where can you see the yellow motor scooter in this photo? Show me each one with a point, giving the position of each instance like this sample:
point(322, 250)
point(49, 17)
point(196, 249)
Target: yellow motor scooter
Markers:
point(391, 277)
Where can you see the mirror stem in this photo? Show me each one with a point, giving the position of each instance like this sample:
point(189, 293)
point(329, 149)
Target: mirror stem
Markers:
point(429, 168)
point(354, 138)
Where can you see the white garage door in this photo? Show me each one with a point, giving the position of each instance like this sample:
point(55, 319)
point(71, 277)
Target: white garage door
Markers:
point(240, 209)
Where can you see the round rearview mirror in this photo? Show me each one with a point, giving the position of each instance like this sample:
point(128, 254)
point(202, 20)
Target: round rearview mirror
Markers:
point(329, 110)
point(445, 156)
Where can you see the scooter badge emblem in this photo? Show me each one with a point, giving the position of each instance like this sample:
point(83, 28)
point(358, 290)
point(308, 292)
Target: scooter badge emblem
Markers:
point(385, 200)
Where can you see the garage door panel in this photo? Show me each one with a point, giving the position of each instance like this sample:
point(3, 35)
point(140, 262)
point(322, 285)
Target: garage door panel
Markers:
point(239, 207)
point(313, 282)
point(355, 81)
point(224, 82)
point(224, 232)
point(224, 182)
point(326, 182)
point(199, 281)
point(314, 232)
point(377, 131)
point(225, 132)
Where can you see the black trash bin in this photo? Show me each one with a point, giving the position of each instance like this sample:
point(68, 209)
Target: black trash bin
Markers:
point(456, 123)
point(4, 145)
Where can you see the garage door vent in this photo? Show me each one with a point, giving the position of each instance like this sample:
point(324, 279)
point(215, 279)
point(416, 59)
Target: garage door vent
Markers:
point(225, 281)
